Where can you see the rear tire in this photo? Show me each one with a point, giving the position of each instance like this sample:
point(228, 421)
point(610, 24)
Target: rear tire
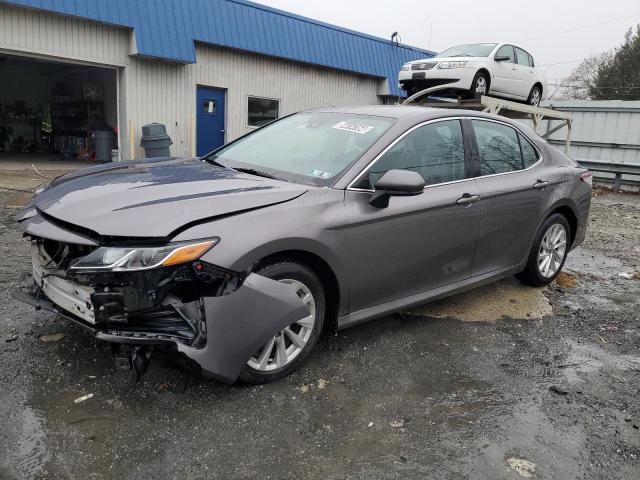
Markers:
point(479, 86)
point(548, 253)
point(263, 367)
point(535, 96)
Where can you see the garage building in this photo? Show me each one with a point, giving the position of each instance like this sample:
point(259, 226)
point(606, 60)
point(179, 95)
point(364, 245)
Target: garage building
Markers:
point(210, 70)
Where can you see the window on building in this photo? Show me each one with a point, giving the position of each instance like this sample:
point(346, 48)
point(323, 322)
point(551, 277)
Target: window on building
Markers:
point(498, 147)
point(435, 151)
point(262, 111)
point(209, 107)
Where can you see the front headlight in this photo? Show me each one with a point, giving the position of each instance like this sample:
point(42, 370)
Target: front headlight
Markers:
point(125, 259)
point(406, 67)
point(449, 65)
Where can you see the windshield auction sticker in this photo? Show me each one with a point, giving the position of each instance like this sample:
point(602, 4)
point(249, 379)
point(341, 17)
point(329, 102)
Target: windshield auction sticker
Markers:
point(321, 174)
point(354, 127)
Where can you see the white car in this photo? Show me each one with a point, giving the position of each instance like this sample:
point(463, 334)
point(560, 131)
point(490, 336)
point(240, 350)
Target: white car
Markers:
point(497, 69)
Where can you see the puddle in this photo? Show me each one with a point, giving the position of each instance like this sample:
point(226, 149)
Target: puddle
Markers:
point(507, 298)
point(525, 441)
point(31, 449)
point(585, 359)
point(590, 262)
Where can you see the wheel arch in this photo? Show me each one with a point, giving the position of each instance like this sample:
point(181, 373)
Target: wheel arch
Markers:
point(565, 208)
point(569, 213)
point(539, 84)
point(488, 75)
point(327, 276)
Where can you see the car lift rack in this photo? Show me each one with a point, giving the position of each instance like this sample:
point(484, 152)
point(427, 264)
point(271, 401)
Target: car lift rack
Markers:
point(498, 106)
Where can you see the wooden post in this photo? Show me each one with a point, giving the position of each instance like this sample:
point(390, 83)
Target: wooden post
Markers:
point(132, 141)
point(567, 146)
point(192, 136)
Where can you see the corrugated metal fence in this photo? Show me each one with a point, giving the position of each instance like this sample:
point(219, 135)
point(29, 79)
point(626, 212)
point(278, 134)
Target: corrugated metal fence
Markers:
point(604, 131)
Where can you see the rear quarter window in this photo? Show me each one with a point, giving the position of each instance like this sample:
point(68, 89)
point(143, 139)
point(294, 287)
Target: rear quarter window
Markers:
point(529, 154)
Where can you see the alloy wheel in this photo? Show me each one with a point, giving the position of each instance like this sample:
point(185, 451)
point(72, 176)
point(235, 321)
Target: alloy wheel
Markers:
point(552, 250)
point(535, 97)
point(481, 85)
point(285, 347)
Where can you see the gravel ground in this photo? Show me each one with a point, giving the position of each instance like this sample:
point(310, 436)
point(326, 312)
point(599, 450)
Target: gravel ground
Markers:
point(554, 394)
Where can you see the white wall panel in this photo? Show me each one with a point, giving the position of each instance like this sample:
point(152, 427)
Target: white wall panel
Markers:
point(158, 91)
point(34, 32)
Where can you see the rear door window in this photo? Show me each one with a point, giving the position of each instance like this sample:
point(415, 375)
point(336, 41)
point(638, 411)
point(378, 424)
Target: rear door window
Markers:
point(435, 151)
point(523, 58)
point(498, 147)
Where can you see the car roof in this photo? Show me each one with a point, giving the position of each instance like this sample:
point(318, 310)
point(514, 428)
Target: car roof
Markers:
point(408, 112)
point(390, 111)
point(410, 115)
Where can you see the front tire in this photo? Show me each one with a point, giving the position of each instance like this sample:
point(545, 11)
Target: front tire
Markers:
point(284, 352)
point(549, 252)
point(479, 86)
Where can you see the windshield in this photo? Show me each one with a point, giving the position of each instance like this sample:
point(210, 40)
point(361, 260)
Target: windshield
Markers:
point(472, 50)
point(311, 148)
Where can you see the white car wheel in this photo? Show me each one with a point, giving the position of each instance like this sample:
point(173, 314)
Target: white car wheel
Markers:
point(535, 97)
point(479, 86)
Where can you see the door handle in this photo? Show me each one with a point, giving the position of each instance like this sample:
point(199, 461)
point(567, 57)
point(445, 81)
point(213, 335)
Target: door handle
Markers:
point(468, 199)
point(541, 185)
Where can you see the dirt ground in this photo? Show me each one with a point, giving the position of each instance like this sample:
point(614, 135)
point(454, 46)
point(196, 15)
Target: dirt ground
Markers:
point(506, 382)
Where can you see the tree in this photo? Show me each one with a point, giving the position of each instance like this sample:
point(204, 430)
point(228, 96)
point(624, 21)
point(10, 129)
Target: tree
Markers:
point(584, 78)
point(611, 75)
point(619, 77)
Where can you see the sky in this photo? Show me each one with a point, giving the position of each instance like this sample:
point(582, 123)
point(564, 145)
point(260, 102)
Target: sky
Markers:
point(558, 33)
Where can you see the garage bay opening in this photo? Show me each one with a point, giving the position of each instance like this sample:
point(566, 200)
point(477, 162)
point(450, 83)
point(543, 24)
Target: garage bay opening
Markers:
point(56, 115)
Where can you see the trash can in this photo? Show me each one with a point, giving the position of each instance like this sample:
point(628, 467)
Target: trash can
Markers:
point(155, 141)
point(104, 143)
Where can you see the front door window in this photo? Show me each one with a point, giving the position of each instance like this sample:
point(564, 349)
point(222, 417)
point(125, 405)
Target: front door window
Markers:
point(435, 151)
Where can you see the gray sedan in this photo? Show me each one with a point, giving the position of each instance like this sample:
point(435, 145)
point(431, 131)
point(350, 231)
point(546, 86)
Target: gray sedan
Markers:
point(323, 219)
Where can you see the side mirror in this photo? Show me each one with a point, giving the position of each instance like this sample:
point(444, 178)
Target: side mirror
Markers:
point(396, 183)
point(502, 58)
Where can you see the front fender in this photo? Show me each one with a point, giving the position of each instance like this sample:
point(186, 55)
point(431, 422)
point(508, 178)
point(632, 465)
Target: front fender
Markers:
point(240, 323)
point(315, 224)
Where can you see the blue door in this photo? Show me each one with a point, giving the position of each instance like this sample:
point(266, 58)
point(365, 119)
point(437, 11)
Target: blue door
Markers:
point(209, 120)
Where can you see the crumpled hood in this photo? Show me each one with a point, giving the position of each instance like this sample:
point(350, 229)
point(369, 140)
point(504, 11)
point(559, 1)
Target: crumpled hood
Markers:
point(155, 198)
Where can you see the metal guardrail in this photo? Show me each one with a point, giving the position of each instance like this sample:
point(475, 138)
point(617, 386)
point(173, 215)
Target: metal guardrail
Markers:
point(582, 143)
point(617, 169)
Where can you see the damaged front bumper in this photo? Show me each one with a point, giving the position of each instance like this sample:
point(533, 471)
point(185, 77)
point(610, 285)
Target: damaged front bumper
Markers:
point(215, 317)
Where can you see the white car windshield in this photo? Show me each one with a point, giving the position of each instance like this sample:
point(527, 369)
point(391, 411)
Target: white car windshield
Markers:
point(311, 147)
point(472, 50)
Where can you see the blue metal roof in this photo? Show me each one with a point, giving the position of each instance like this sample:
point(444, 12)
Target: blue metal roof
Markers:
point(167, 29)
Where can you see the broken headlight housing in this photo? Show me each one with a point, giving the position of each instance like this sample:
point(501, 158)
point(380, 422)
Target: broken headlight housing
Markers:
point(130, 259)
